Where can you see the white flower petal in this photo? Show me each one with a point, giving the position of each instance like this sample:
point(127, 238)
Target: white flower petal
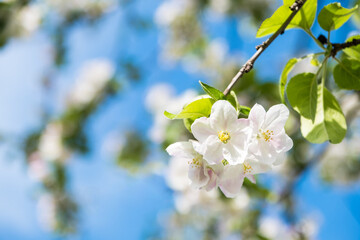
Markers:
point(259, 167)
point(181, 149)
point(212, 183)
point(276, 118)
point(282, 142)
point(223, 116)
point(251, 178)
point(233, 154)
point(201, 129)
point(231, 180)
point(211, 150)
point(198, 175)
point(257, 116)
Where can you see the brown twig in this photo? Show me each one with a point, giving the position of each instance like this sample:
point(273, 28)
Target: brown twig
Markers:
point(295, 7)
point(336, 47)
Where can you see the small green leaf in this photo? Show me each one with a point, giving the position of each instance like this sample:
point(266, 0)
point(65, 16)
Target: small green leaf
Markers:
point(244, 110)
point(353, 52)
point(333, 16)
point(231, 98)
point(347, 74)
point(196, 109)
point(283, 78)
point(304, 19)
point(188, 122)
point(213, 92)
point(302, 94)
point(329, 123)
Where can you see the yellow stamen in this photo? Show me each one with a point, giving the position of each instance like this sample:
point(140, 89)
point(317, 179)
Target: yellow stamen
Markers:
point(247, 168)
point(224, 136)
point(267, 135)
point(195, 162)
point(225, 162)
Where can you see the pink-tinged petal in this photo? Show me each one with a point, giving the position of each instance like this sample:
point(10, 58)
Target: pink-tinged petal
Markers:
point(257, 116)
point(234, 154)
point(282, 142)
point(201, 129)
point(259, 166)
point(198, 175)
point(276, 118)
point(181, 149)
point(251, 178)
point(212, 183)
point(231, 180)
point(223, 116)
point(211, 150)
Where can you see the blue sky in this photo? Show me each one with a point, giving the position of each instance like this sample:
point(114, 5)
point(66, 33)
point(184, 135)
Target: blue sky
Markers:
point(114, 204)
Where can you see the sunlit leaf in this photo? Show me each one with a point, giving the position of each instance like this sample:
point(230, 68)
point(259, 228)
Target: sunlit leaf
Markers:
point(333, 16)
point(347, 74)
point(353, 52)
point(303, 19)
point(302, 94)
point(329, 123)
point(233, 100)
point(196, 109)
point(284, 75)
point(213, 92)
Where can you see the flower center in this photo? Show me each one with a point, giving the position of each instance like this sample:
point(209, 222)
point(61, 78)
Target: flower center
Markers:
point(266, 135)
point(247, 168)
point(225, 162)
point(224, 136)
point(195, 162)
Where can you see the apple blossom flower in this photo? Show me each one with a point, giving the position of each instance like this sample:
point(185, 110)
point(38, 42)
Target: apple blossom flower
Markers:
point(200, 174)
point(222, 135)
point(268, 141)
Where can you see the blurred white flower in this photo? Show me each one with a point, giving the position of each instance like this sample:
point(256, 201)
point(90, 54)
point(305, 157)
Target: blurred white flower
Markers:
point(274, 228)
point(159, 98)
point(220, 6)
point(51, 147)
point(92, 79)
point(47, 211)
point(92, 7)
point(176, 174)
point(186, 200)
point(167, 12)
point(38, 169)
point(29, 18)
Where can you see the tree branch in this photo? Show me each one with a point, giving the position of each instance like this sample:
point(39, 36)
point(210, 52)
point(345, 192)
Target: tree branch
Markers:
point(336, 47)
point(295, 7)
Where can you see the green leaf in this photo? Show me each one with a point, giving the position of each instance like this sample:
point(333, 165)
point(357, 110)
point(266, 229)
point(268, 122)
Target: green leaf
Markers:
point(188, 122)
point(333, 16)
point(213, 92)
point(303, 19)
point(329, 123)
point(347, 74)
point(196, 109)
point(353, 52)
point(302, 94)
point(244, 110)
point(283, 78)
point(231, 98)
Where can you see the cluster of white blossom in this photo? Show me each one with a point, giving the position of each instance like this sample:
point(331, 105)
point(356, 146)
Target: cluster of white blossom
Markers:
point(91, 81)
point(229, 149)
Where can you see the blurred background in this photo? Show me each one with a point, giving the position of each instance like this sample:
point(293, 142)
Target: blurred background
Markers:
point(83, 88)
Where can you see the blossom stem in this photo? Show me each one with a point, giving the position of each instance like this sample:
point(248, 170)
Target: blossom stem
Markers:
point(261, 48)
